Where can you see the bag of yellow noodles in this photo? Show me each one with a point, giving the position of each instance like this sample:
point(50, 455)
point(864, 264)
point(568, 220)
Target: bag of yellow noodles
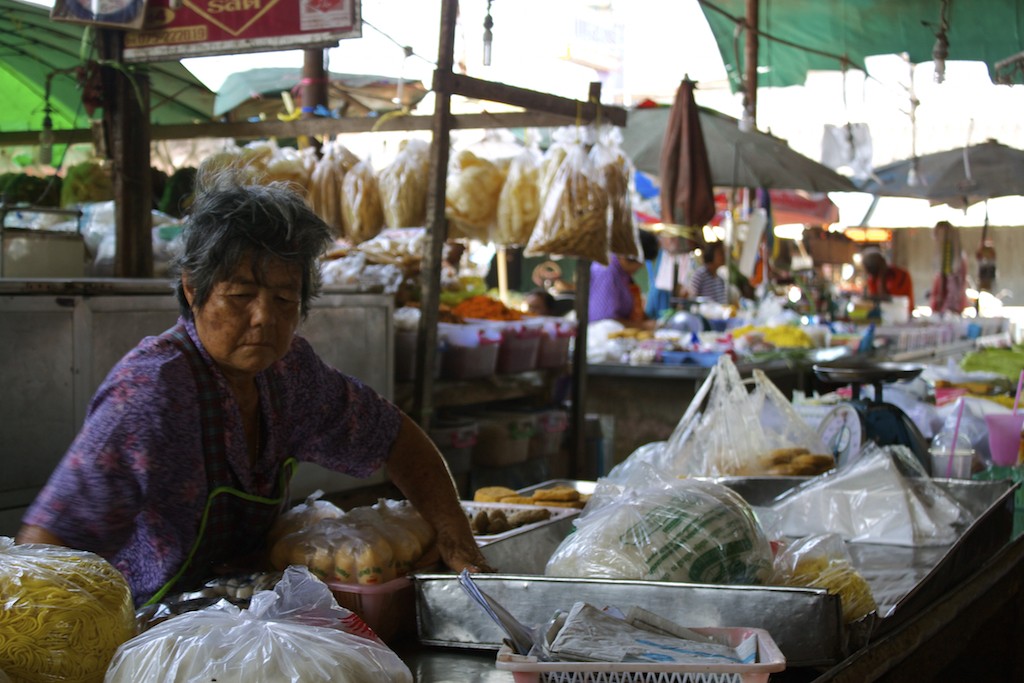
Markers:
point(822, 561)
point(63, 613)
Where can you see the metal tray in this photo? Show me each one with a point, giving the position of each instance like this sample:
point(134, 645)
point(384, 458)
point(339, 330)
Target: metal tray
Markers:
point(805, 623)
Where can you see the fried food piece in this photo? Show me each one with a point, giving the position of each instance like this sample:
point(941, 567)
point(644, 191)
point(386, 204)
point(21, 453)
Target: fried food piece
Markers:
point(493, 494)
point(821, 462)
point(521, 517)
point(517, 500)
point(560, 503)
point(480, 522)
point(557, 493)
point(498, 525)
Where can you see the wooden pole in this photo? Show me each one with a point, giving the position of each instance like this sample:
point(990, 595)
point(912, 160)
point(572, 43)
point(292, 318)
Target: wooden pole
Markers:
point(126, 116)
point(314, 88)
point(437, 224)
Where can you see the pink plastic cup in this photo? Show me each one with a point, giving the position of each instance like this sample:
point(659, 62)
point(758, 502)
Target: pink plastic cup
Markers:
point(1004, 437)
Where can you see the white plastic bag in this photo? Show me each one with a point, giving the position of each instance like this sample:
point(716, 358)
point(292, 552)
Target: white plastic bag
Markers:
point(295, 633)
point(873, 501)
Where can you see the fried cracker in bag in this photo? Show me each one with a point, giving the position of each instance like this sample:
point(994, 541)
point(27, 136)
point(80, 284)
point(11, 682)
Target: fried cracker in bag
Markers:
point(403, 185)
point(573, 219)
point(519, 200)
point(326, 181)
point(616, 171)
point(471, 195)
point(361, 210)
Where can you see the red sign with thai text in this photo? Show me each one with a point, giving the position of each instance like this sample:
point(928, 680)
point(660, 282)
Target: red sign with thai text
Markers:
point(192, 28)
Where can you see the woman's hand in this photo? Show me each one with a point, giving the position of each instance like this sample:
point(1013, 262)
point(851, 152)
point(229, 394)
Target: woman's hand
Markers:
point(457, 554)
point(419, 471)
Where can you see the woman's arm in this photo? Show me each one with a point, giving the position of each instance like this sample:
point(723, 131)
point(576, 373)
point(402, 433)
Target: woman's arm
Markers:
point(417, 468)
point(36, 534)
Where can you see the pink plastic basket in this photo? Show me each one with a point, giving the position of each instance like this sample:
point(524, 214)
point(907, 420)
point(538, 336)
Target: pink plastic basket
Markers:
point(769, 660)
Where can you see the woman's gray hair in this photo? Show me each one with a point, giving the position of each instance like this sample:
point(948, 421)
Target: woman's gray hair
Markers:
point(231, 220)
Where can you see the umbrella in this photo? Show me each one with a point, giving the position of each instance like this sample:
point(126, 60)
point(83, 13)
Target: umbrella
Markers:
point(958, 177)
point(258, 91)
point(34, 49)
point(687, 197)
point(737, 158)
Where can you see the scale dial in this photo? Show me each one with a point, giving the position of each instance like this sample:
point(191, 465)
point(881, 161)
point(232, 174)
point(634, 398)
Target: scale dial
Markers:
point(842, 432)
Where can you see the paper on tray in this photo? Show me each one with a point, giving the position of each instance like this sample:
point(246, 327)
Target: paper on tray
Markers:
point(590, 634)
point(872, 502)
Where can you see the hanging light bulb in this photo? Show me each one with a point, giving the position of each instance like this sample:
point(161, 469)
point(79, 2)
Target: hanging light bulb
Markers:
point(939, 54)
point(488, 36)
point(46, 138)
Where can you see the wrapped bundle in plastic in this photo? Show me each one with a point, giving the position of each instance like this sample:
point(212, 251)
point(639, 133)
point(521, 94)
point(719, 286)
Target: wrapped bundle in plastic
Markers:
point(305, 514)
point(63, 613)
point(471, 195)
point(616, 171)
point(403, 186)
point(295, 633)
point(325, 183)
point(335, 550)
point(689, 531)
point(519, 201)
point(573, 219)
point(823, 562)
point(402, 513)
point(361, 211)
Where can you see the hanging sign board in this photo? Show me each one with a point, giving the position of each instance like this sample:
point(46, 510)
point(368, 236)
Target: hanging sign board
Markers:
point(125, 14)
point(174, 29)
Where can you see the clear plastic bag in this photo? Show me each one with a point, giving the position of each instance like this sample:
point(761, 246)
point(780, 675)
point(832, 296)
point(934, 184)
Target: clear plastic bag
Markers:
point(822, 561)
point(472, 188)
point(616, 171)
point(63, 613)
point(573, 219)
point(403, 185)
point(361, 211)
point(305, 514)
point(687, 530)
point(295, 633)
point(884, 497)
point(519, 200)
point(326, 181)
point(727, 439)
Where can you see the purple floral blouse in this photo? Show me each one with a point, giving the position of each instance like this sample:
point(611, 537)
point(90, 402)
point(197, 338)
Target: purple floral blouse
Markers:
point(132, 486)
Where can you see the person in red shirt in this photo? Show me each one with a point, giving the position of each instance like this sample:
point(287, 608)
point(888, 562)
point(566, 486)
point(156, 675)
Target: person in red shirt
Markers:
point(886, 281)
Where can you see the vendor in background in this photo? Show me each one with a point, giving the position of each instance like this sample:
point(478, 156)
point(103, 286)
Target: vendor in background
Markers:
point(540, 302)
point(704, 281)
point(885, 281)
point(613, 293)
point(183, 461)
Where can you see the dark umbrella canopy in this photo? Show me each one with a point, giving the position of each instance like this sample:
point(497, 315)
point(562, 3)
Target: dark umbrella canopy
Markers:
point(737, 158)
point(687, 195)
point(958, 177)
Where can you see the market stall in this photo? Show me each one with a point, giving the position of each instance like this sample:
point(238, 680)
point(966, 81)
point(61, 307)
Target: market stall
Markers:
point(910, 581)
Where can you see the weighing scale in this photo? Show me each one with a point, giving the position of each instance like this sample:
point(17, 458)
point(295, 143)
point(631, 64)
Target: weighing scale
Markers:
point(850, 424)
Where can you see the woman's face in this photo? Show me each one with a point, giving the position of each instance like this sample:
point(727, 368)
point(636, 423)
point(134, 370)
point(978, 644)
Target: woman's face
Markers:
point(246, 325)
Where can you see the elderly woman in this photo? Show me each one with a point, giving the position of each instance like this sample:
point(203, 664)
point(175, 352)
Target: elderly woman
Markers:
point(183, 461)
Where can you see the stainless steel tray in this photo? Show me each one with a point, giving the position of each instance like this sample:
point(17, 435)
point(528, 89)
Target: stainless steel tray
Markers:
point(805, 623)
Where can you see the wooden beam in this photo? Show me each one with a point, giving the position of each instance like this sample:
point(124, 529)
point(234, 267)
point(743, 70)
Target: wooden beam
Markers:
point(311, 127)
point(585, 112)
